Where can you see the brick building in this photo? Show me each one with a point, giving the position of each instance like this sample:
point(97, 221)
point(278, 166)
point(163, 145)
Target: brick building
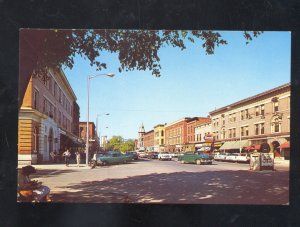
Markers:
point(46, 119)
point(148, 138)
point(191, 124)
point(176, 135)
point(259, 119)
point(94, 143)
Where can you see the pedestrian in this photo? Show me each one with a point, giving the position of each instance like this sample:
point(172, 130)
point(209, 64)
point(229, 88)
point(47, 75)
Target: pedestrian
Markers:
point(67, 155)
point(52, 156)
point(78, 158)
point(31, 189)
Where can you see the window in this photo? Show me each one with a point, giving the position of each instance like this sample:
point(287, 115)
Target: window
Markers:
point(162, 133)
point(35, 99)
point(262, 128)
point(234, 117)
point(230, 135)
point(256, 129)
point(256, 110)
point(234, 132)
point(44, 105)
point(242, 115)
point(276, 106)
point(247, 114)
point(262, 109)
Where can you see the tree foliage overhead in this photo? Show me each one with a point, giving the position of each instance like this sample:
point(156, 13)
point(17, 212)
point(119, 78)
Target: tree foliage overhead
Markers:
point(41, 49)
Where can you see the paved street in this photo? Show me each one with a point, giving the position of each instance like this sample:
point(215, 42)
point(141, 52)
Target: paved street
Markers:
point(153, 181)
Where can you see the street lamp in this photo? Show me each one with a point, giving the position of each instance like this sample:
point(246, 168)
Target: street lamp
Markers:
point(88, 112)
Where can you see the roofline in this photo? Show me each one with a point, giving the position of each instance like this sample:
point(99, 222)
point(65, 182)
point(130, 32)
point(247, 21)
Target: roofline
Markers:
point(250, 98)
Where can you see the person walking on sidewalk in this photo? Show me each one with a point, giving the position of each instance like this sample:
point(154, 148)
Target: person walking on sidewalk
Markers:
point(78, 158)
point(67, 155)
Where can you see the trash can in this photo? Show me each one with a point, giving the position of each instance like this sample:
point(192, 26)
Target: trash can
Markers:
point(255, 161)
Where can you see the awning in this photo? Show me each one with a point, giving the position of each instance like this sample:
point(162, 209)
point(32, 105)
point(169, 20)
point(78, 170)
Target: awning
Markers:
point(216, 145)
point(240, 144)
point(256, 147)
point(227, 145)
point(285, 145)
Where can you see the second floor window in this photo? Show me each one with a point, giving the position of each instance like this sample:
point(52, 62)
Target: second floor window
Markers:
point(35, 99)
point(276, 108)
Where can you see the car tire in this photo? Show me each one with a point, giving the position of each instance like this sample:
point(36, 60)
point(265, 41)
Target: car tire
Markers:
point(104, 163)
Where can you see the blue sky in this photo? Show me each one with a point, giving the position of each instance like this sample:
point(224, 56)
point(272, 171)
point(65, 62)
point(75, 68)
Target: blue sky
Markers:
point(192, 83)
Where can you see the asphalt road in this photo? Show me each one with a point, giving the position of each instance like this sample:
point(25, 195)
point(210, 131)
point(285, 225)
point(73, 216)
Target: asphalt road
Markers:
point(153, 181)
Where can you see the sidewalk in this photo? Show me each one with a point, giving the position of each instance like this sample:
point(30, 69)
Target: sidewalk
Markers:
point(59, 166)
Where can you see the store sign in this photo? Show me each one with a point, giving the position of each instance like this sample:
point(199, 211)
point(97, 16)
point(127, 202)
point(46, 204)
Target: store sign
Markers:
point(209, 138)
point(267, 159)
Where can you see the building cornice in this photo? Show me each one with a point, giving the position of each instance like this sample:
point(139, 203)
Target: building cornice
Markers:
point(243, 101)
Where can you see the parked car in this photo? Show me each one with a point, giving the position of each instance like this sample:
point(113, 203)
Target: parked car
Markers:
point(195, 157)
point(142, 154)
point(174, 154)
point(221, 156)
point(111, 157)
point(133, 154)
point(232, 157)
point(244, 157)
point(164, 156)
point(152, 155)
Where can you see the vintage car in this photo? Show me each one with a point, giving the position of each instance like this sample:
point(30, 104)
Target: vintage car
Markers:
point(195, 157)
point(152, 155)
point(174, 154)
point(243, 157)
point(111, 157)
point(133, 154)
point(164, 156)
point(220, 157)
point(142, 154)
point(232, 157)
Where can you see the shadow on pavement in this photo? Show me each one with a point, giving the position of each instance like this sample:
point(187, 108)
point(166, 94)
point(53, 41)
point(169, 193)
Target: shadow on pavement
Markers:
point(214, 187)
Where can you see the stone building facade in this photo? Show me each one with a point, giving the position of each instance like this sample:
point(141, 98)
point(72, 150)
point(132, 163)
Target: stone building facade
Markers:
point(262, 118)
point(159, 137)
point(46, 118)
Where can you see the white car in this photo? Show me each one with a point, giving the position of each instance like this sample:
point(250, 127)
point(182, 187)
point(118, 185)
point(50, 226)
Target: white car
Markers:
point(220, 157)
point(164, 156)
point(243, 158)
point(232, 157)
point(142, 154)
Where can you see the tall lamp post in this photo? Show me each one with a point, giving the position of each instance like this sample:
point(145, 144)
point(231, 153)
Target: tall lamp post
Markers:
point(88, 112)
point(98, 133)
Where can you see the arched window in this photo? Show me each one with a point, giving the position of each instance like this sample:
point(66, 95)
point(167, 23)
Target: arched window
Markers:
point(276, 125)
